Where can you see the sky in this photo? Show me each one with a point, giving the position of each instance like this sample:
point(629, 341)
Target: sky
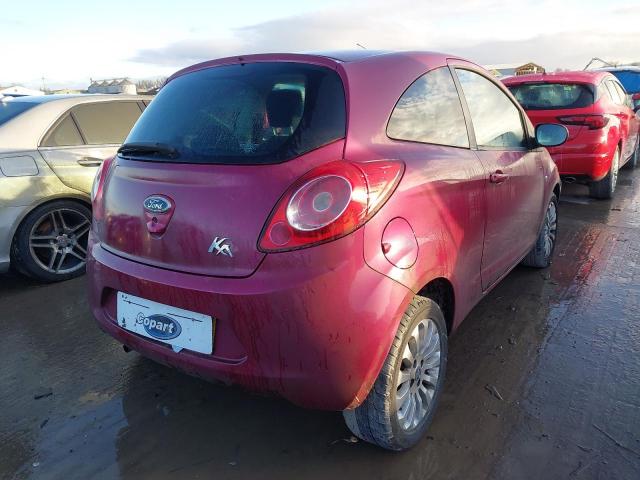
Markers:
point(68, 42)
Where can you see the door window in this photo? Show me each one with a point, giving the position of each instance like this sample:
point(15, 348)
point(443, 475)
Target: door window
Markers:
point(613, 93)
point(496, 120)
point(64, 134)
point(429, 111)
point(106, 123)
point(623, 95)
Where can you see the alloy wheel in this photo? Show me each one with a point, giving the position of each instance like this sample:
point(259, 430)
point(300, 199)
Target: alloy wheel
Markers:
point(58, 241)
point(614, 170)
point(418, 376)
point(550, 228)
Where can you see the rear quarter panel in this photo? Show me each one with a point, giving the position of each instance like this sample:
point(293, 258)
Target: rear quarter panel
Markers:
point(442, 196)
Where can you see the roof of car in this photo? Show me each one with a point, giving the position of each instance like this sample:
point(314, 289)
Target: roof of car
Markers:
point(620, 68)
point(324, 58)
point(73, 98)
point(352, 55)
point(581, 76)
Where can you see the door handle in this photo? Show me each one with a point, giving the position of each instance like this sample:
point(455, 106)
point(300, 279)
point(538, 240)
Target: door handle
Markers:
point(498, 177)
point(90, 162)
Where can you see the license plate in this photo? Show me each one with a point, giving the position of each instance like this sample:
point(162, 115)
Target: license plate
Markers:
point(182, 329)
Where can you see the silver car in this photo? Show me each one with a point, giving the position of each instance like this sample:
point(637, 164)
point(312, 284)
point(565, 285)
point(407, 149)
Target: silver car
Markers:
point(50, 149)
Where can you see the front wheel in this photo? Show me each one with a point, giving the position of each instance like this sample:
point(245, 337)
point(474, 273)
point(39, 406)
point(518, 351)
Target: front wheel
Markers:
point(401, 404)
point(541, 253)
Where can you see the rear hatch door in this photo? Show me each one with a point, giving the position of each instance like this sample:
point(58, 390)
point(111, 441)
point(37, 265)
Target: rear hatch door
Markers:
point(223, 204)
point(220, 146)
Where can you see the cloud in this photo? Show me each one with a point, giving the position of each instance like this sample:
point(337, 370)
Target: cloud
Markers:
point(626, 10)
point(485, 32)
point(374, 24)
point(562, 50)
point(187, 52)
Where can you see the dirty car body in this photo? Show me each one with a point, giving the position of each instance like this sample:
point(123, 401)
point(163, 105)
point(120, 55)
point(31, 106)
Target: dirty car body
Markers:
point(50, 149)
point(305, 301)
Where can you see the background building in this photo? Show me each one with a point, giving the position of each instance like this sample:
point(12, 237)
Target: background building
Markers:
point(511, 69)
point(67, 91)
point(18, 91)
point(113, 85)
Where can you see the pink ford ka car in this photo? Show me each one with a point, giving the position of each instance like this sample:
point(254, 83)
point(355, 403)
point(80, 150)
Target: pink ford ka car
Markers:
point(315, 226)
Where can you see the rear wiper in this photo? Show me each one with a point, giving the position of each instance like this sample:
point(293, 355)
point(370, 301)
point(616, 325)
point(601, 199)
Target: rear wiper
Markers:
point(149, 148)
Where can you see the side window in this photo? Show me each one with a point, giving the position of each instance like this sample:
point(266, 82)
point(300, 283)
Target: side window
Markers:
point(603, 92)
point(623, 95)
point(429, 111)
point(615, 96)
point(496, 120)
point(106, 122)
point(64, 134)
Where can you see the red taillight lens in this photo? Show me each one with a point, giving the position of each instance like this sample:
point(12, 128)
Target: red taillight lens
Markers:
point(594, 122)
point(329, 202)
point(98, 181)
point(319, 203)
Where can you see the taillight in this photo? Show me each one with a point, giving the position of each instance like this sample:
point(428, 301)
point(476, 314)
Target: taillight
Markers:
point(98, 181)
point(329, 202)
point(594, 122)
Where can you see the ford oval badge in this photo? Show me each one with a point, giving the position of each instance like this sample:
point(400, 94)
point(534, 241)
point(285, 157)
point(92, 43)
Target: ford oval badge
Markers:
point(157, 204)
point(161, 327)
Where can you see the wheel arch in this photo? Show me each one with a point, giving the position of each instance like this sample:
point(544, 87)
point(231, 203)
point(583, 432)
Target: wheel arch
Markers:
point(82, 200)
point(441, 291)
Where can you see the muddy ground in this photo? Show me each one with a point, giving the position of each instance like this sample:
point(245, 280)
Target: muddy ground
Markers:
point(543, 383)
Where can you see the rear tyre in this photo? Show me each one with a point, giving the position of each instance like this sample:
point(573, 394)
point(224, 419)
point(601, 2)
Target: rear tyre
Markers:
point(541, 253)
point(635, 157)
point(605, 188)
point(51, 242)
point(401, 404)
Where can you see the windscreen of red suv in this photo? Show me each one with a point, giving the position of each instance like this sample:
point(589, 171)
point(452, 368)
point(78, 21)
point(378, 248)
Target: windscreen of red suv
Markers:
point(553, 96)
point(253, 113)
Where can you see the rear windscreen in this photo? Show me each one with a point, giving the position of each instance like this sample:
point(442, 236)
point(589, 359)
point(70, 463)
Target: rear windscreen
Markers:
point(254, 113)
point(629, 80)
point(11, 109)
point(553, 96)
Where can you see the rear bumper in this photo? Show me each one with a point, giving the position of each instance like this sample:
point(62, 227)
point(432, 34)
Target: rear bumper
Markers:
point(593, 166)
point(311, 326)
point(587, 156)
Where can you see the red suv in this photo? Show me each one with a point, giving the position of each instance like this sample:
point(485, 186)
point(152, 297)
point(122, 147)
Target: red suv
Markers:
point(600, 116)
point(315, 226)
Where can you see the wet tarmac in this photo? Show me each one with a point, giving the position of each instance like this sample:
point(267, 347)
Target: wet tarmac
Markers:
point(543, 383)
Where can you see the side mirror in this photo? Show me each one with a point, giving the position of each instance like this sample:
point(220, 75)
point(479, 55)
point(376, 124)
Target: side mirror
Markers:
point(551, 134)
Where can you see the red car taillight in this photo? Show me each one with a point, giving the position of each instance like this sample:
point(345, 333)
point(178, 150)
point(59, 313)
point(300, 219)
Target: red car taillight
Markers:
point(594, 122)
point(329, 202)
point(98, 181)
